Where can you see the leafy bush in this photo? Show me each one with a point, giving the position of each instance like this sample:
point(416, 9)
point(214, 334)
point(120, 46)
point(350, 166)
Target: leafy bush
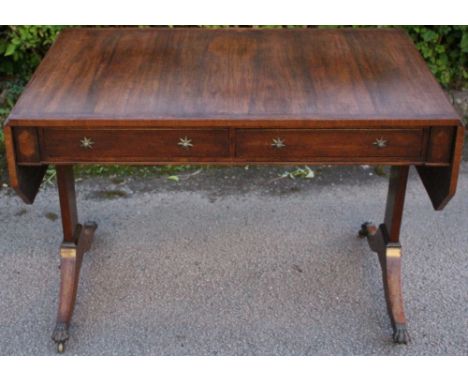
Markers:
point(445, 49)
point(22, 48)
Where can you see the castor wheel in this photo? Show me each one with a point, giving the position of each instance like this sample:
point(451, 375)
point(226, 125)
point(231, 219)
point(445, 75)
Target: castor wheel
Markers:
point(60, 347)
point(367, 229)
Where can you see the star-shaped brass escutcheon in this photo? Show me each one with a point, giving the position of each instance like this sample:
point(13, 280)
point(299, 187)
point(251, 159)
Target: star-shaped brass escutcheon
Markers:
point(87, 143)
point(278, 143)
point(185, 142)
point(380, 143)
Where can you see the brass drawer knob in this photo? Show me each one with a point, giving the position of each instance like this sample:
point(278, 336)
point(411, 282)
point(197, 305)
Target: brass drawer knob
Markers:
point(86, 143)
point(185, 142)
point(278, 143)
point(380, 143)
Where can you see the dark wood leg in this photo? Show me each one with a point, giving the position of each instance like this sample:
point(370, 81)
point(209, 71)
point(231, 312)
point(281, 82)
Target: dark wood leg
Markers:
point(76, 241)
point(386, 242)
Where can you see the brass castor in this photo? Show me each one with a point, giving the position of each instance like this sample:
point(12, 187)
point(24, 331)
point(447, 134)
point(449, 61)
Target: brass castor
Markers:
point(60, 347)
point(60, 336)
point(401, 335)
point(367, 229)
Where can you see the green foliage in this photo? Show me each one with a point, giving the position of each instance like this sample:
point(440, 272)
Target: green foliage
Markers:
point(140, 171)
point(22, 48)
point(445, 49)
point(299, 172)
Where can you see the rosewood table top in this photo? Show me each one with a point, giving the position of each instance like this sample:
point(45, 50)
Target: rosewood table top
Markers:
point(319, 77)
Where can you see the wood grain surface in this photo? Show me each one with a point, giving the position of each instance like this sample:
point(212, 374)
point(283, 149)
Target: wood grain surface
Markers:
point(234, 77)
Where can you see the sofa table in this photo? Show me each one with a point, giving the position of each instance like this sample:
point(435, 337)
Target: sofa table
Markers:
point(234, 96)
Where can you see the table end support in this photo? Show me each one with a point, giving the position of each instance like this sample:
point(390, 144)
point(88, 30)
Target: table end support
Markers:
point(77, 240)
point(71, 256)
point(384, 240)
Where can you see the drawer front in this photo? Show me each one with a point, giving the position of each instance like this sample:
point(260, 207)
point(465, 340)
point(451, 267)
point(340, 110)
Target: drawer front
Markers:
point(133, 145)
point(357, 144)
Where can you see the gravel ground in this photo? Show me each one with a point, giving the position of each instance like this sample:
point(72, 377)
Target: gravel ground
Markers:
point(230, 262)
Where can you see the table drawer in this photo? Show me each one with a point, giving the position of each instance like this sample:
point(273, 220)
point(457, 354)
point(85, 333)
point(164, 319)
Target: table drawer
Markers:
point(358, 144)
point(133, 145)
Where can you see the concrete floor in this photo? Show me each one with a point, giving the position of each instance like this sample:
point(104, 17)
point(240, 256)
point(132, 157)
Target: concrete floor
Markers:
point(235, 265)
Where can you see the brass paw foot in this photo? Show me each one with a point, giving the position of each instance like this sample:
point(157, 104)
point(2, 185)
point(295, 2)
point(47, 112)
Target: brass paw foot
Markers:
point(60, 336)
point(367, 229)
point(401, 335)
